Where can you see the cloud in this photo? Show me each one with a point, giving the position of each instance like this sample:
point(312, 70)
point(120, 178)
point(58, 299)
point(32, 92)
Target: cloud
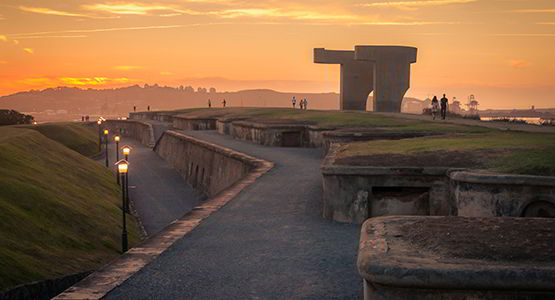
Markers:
point(276, 12)
point(3, 62)
point(546, 23)
point(29, 50)
point(48, 11)
point(20, 35)
point(519, 64)
point(3, 38)
point(166, 73)
point(135, 9)
point(92, 80)
point(128, 68)
point(413, 4)
point(49, 37)
point(548, 10)
point(415, 23)
point(15, 42)
point(522, 34)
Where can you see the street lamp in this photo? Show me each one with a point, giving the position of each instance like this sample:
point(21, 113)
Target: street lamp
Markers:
point(116, 139)
point(106, 140)
point(99, 122)
point(126, 150)
point(123, 165)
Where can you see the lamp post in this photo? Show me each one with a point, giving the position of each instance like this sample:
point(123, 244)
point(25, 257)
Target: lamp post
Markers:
point(126, 150)
point(106, 140)
point(116, 139)
point(99, 122)
point(123, 165)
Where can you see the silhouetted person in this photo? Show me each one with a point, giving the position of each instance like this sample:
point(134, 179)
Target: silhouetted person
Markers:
point(82, 118)
point(443, 106)
point(305, 103)
point(294, 101)
point(223, 103)
point(435, 107)
point(87, 118)
point(134, 108)
point(209, 103)
point(148, 108)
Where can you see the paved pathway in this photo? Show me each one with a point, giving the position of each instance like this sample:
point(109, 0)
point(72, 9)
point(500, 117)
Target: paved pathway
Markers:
point(268, 243)
point(158, 192)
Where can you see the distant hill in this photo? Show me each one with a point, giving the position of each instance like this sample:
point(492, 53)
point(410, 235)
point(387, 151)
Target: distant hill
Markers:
point(68, 103)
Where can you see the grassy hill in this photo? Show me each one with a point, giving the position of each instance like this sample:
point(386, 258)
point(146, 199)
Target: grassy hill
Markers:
point(59, 211)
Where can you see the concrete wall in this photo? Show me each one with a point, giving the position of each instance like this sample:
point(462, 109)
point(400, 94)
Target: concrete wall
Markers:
point(44, 289)
point(270, 134)
point(494, 195)
point(193, 123)
point(353, 194)
point(207, 167)
point(139, 130)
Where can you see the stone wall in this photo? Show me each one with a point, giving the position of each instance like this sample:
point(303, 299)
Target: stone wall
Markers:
point(493, 195)
point(277, 135)
point(136, 129)
point(207, 167)
point(44, 289)
point(193, 123)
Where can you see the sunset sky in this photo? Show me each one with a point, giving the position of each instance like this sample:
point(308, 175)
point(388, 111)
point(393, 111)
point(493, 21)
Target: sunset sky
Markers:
point(501, 50)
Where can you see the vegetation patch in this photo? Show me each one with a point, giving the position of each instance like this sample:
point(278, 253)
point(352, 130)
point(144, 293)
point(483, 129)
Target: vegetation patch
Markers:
point(60, 211)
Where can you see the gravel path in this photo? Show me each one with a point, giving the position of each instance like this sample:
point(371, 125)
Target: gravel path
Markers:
point(270, 242)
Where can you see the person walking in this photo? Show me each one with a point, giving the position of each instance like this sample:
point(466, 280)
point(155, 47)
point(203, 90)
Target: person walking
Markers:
point(444, 102)
point(305, 103)
point(294, 101)
point(435, 107)
point(223, 103)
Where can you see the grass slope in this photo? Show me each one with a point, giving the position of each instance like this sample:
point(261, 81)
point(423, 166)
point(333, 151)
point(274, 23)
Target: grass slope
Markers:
point(59, 210)
point(76, 136)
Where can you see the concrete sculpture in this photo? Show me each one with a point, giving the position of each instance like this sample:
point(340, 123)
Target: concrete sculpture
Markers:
point(382, 69)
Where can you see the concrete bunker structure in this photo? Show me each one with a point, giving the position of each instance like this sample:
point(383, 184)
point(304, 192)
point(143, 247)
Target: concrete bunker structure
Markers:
point(382, 69)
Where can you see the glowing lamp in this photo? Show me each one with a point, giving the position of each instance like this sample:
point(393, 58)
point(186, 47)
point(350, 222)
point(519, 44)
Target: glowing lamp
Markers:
point(105, 131)
point(99, 122)
point(126, 150)
point(123, 165)
point(116, 138)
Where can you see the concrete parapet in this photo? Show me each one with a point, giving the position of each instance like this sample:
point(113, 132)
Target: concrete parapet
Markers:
point(356, 77)
point(185, 123)
point(481, 194)
point(416, 257)
point(137, 129)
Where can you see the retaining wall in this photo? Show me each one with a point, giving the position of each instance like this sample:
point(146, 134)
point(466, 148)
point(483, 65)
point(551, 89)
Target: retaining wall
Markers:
point(139, 130)
point(493, 195)
point(352, 194)
point(207, 167)
point(193, 123)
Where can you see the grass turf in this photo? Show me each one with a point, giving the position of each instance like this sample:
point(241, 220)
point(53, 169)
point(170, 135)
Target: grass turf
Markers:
point(59, 211)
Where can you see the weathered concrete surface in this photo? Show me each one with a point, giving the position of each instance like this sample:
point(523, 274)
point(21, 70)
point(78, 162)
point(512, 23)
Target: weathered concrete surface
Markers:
point(99, 283)
point(136, 129)
point(277, 135)
point(494, 195)
point(354, 194)
point(269, 242)
point(457, 258)
point(208, 168)
point(185, 123)
point(391, 73)
point(356, 81)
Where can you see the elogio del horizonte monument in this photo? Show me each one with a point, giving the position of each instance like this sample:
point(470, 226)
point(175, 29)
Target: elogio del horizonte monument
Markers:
point(382, 69)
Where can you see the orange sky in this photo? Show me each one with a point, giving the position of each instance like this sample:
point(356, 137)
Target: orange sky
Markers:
point(500, 50)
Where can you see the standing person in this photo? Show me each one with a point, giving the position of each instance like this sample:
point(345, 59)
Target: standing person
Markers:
point(294, 101)
point(305, 103)
point(148, 108)
point(134, 108)
point(435, 107)
point(82, 118)
point(209, 103)
point(223, 103)
point(444, 101)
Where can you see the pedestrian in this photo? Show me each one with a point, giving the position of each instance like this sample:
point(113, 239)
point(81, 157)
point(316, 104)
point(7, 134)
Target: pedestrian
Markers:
point(294, 101)
point(305, 103)
point(444, 101)
point(435, 107)
point(209, 103)
point(87, 118)
point(148, 108)
point(82, 118)
point(223, 103)
point(134, 108)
